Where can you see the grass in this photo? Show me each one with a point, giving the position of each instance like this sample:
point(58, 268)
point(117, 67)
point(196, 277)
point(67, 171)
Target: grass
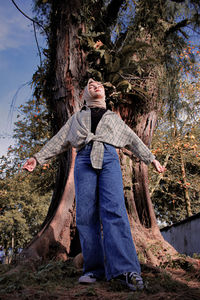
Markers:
point(59, 280)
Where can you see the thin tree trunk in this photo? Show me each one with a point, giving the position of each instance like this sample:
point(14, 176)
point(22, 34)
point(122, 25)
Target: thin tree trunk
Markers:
point(186, 191)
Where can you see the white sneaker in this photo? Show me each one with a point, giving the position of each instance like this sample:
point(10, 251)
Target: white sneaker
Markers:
point(87, 278)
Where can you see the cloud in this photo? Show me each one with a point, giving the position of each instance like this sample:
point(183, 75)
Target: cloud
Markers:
point(15, 29)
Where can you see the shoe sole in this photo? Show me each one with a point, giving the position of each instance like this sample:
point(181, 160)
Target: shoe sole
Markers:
point(87, 281)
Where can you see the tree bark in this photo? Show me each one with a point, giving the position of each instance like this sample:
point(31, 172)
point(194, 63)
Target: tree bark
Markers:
point(148, 240)
point(66, 66)
point(144, 129)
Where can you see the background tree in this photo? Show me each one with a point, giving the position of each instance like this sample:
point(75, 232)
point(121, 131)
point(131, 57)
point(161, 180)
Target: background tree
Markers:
point(176, 193)
point(24, 198)
point(137, 63)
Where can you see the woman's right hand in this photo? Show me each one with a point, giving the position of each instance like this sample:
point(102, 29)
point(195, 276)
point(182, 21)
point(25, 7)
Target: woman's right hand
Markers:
point(30, 164)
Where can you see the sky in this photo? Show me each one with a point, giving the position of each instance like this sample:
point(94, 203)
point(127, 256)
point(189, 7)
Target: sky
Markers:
point(19, 59)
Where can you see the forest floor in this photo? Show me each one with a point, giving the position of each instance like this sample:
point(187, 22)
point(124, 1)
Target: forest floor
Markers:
point(59, 280)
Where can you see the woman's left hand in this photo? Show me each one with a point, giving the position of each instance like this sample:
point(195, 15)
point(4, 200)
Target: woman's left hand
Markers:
point(158, 167)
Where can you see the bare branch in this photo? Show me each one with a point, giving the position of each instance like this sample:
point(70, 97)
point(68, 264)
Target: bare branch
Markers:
point(35, 34)
point(111, 13)
point(26, 16)
point(34, 28)
point(178, 26)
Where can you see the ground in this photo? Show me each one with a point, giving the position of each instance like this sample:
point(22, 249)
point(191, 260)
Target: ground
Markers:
point(177, 280)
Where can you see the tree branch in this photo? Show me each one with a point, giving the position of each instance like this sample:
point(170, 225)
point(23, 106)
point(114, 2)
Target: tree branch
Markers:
point(112, 12)
point(110, 15)
point(26, 16)
point(35, 34)
point(178, 26)
point(34, 28)
point(178, 1)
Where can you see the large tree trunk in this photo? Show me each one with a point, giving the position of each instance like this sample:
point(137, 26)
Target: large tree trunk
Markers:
point(149, 242)
point(66, 67)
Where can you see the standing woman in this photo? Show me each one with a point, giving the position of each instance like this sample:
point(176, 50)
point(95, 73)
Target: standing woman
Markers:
point(95, 132)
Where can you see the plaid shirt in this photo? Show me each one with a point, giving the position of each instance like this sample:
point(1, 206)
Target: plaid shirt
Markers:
point(111, 129)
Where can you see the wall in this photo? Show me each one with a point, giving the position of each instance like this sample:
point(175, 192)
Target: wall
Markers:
point(185, 235)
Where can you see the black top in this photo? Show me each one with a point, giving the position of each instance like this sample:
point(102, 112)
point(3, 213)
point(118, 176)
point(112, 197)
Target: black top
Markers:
point(96, 115)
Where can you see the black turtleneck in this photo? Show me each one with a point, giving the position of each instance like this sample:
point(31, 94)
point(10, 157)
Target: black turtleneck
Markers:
point(96, 115)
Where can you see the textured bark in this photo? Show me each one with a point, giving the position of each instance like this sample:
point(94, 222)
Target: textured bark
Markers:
point(145, 124)
point(144, 129)
point(127, 174)
point(150, 245)
point(67, 66)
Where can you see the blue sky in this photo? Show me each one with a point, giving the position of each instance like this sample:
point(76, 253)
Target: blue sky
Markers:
point(18, 61)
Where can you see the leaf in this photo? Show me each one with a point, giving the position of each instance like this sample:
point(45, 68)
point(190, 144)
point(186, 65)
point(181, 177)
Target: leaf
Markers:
point(116, 65)
point(124, 85)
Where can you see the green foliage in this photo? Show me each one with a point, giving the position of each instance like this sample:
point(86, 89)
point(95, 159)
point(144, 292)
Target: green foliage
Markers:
point(135, 41)
point(169, 197)
point(22, 210)
point(142, 46)
point(177, 136)
point(24, 197)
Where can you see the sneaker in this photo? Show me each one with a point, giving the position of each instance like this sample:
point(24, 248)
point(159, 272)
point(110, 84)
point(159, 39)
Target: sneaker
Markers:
point(87, 278)
point(132, 280)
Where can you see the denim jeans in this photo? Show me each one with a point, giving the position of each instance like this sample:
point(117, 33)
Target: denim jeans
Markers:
point(101, 218)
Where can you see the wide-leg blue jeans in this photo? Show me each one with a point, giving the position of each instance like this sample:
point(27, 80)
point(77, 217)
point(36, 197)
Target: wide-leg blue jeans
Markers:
point(101, 217)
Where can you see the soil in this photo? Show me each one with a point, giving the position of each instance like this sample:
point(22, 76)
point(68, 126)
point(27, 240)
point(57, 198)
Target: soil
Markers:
point(59, 280)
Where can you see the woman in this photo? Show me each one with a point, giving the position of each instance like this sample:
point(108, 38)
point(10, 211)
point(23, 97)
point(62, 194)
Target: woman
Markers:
point(104, 230)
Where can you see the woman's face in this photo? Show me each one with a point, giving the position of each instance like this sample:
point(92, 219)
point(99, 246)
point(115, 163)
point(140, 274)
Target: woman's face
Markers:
point(96, 90)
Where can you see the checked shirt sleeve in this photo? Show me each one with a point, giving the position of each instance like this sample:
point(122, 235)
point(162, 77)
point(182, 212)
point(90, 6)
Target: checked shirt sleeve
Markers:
point(133, 143)
point(56, 145)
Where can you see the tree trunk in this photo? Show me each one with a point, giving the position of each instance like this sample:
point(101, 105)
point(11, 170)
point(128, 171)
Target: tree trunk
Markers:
point(144, 129)
point(66, 67)
point(149, 242)
point(186, 191)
